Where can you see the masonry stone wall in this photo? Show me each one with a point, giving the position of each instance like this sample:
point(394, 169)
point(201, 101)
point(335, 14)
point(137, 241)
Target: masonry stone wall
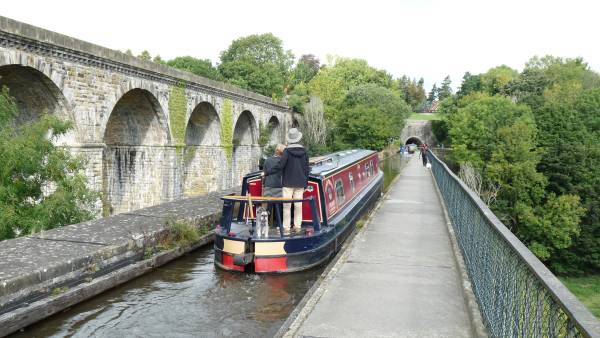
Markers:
point(139, 150)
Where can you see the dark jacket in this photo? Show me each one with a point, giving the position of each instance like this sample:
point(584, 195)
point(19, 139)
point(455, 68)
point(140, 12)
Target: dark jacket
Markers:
point(294, 168)
point(273, 180)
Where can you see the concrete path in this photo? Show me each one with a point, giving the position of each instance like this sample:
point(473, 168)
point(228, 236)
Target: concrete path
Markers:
point(399, 277)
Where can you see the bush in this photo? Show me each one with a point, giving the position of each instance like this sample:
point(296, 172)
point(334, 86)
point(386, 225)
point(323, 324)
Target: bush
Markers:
point(41, 186)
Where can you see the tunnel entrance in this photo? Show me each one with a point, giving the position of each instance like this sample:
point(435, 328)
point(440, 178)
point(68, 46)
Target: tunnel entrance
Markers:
point(414, 140)
point(135, 172)
point(244, 140)
point(203, 155)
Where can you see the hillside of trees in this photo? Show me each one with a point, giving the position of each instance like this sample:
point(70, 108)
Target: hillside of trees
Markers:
point(534, 139)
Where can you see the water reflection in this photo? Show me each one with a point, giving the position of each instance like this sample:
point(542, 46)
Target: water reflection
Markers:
point(392, 166)
point(187, 298)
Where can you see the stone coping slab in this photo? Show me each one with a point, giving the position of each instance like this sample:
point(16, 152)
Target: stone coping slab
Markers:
point(37, 263)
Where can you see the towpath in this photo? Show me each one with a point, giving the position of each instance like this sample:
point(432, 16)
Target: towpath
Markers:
point(398, 278)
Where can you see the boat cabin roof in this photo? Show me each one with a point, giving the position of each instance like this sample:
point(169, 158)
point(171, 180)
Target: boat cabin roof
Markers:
point(323, 165)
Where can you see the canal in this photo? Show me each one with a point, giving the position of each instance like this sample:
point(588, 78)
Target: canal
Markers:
point(189, 297)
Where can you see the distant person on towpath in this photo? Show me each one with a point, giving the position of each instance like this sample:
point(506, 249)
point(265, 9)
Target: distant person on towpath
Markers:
point(424, 153)
point(294, 168)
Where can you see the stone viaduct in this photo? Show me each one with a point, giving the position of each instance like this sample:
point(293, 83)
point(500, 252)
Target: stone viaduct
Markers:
point(150, 133)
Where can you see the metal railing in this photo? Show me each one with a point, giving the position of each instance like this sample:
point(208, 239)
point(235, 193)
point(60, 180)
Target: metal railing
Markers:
point(230, 201)
point(517, 295)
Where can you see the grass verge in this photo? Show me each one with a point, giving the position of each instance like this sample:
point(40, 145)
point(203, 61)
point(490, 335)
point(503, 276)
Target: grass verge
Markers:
point(587, 289)
point(424, 117)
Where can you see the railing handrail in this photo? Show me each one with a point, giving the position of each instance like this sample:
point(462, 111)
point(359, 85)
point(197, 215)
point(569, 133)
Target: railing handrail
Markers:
point(265, 199)
point(582, 317)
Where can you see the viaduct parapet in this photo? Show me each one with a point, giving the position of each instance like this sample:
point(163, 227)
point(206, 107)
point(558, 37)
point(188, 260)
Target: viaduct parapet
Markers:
point(150, 133)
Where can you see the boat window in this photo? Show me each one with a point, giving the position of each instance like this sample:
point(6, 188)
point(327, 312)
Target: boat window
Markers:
point(367, 173)
point(330, 193)
point(371, 168)
point(351, 181)
point(339, 191)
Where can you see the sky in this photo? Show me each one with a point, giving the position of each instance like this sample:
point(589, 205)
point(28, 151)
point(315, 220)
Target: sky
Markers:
point(418, 38)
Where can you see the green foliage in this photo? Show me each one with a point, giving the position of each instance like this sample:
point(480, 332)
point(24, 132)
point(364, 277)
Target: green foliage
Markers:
point(307, 67)
point(199, 67)
point(499, 137)
point(587, 289)
point(412, 91)
point(41, 186)
point(432, 96)
point(264, 133)
point(227, 129)
point(180, 234)
point(333, 82)
point(370, 117)
point(145, 55)
point(445, 90)
point(298, 97)
point(495, 80)
point(158, 59)
point(177, 113)
point(471, 83)
point(258, 63)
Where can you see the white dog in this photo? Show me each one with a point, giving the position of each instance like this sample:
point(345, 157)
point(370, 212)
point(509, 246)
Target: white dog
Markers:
point(262, 222)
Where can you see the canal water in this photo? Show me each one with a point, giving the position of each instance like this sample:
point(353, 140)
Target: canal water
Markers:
point(189, 297)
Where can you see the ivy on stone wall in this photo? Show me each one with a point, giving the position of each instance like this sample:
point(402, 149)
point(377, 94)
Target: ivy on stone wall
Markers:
point(227, 129)
point(177, 112)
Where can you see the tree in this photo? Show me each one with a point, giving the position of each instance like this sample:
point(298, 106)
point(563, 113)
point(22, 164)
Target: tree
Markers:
point(145, 55)
point(333, 82)
point(158, 59)
point(471, 83)
point(446, 89)
point(495, 80)
point(432, 94)
point(370, 117)
point(307, 67)
point(497, 137)
point(258, 63)
point(41, 186)
point(199, 67)
point(314, 126)
point(412, 91)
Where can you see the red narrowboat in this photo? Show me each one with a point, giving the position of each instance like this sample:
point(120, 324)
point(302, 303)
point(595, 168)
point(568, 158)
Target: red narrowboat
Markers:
point(342, 186)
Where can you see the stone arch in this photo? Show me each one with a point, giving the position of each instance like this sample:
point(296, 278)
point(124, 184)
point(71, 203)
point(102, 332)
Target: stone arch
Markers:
point(135, 172)
point(413, 140)
point(244, 133)
point(204, 126)
point(35, 94)
point(245, 148)
point(203, 156)
point(275, 129)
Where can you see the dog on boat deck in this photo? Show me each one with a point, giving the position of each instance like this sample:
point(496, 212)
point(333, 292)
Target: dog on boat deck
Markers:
point(262, 222)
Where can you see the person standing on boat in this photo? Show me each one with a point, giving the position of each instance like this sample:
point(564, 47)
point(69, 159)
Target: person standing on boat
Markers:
point(272, 184)
point(294, 177)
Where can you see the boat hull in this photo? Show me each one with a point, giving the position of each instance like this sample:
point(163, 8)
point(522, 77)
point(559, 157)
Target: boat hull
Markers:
point(290, 254)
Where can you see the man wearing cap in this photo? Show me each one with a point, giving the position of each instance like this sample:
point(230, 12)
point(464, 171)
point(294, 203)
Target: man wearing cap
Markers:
point(294, 168)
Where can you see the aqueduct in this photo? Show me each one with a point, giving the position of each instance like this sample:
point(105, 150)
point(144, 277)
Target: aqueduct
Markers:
point(149, 133)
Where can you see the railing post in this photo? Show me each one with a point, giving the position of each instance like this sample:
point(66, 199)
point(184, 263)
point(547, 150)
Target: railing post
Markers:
point(315, 215)
point(227, 214)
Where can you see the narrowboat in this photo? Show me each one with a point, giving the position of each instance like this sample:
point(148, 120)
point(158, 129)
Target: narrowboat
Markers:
point(342, 186)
